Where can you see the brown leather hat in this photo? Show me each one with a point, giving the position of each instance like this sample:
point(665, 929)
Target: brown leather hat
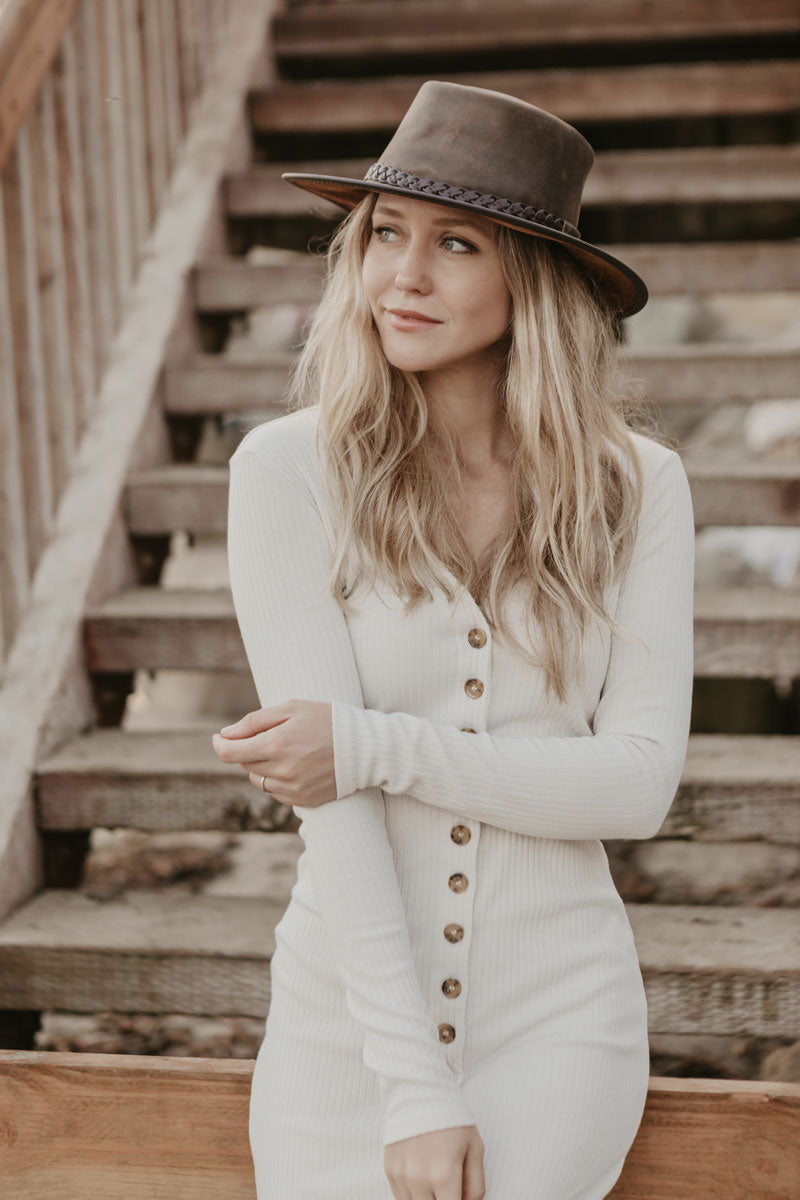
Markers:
point(485, 152)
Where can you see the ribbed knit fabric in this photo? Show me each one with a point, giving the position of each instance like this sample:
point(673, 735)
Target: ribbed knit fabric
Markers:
point(458, 883)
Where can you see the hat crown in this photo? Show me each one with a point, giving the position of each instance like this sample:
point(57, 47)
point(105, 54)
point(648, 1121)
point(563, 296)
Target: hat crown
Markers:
point(494, 144)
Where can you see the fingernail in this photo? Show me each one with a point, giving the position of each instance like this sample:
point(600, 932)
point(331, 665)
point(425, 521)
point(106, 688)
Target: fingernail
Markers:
point(230, 728)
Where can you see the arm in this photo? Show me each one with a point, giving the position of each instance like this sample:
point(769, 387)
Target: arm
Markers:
point(297, 645)
point(618, 783)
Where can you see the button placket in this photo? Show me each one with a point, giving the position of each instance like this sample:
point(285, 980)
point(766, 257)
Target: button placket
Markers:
point(455, 932)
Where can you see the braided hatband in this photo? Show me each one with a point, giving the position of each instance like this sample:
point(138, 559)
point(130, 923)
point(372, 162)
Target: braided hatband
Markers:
point(528, 212)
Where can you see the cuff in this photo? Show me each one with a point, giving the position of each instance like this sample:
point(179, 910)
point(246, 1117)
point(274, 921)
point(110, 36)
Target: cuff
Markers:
point(409, 1111)
point(349, 733)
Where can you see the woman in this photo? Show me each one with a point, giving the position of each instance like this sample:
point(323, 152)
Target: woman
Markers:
point(464, 584)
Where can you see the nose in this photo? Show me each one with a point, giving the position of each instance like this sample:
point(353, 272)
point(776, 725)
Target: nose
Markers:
point(412, 273)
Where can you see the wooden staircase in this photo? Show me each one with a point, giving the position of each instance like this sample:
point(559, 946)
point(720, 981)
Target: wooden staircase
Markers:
point(696, 121)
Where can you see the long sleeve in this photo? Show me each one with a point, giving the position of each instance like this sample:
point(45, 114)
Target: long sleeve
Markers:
point(617, 782)
point(297, 645)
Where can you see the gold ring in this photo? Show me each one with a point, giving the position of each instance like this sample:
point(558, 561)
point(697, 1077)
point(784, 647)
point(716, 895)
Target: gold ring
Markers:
point(263, 783)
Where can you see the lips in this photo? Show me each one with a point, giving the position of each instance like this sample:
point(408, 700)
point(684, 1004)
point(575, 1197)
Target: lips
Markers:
point(412, 315)
point(409, 321)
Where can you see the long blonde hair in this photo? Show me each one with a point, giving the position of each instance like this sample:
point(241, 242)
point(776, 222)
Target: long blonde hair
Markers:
point(570, 406)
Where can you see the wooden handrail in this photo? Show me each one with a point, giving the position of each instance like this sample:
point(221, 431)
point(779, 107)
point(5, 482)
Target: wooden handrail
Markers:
point(30, 35)
point(131, 1127)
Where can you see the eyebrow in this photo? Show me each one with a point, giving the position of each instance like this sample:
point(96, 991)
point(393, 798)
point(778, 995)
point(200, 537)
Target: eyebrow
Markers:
point(456, 219)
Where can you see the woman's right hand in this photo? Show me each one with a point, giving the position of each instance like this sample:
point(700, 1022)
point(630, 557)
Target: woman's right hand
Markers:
point(444, 1165)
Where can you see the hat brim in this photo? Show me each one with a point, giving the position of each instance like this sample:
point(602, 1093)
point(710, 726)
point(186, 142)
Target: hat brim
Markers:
point(626, 291)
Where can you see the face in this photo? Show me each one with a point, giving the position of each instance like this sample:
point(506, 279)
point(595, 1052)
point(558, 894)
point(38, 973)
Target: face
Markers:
point(443, 264)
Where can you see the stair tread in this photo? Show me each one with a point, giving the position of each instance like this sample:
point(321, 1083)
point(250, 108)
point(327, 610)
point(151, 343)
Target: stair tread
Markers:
point(712, 758)
point(231, 283)
point(673, 938)
point(573, 93)
point(699, 174)
point(436, 26)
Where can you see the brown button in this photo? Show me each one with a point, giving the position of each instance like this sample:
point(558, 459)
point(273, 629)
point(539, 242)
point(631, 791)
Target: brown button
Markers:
point(460, 834)
point(451, 987)
point(447, 1033)
point(454, 932)
point(473, 688)
point(458, 882)
point(466, 729)
point(476, 638)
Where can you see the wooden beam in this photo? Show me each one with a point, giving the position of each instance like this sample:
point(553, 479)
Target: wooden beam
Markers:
point(30, 36)
point(139, 1127)
point(624, 93)
point(733, 788)
point(373, 31)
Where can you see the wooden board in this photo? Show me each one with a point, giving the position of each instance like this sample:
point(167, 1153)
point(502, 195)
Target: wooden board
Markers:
point(732, 788)
point(358, 31)
point(626, 93)
point(726, 969)
point(700, 374)
point(749, 632)
point(133, 1127)
point(193, 496)
point(696, 175)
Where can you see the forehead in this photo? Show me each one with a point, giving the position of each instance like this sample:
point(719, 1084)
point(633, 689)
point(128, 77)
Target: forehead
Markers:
point(437, 214)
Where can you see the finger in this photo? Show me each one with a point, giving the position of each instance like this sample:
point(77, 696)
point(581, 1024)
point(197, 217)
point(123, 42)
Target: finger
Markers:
point(474, 1184)
point(243, 750)
point(256, 721)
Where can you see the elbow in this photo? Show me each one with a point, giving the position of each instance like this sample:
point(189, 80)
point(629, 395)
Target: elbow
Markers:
point(657, 790)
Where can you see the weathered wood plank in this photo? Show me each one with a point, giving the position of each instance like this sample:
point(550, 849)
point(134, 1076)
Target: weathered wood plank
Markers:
point(231, 284)
point(732, 789)
point(701, 374)
point(356, 31)
point(751, 632)
point(150, 951)
point(747, 632)
point(152, 781)
point(627, 93)
point(193, 496)
point(721, 970)
point(696, 1137)
point(697, 174)
point(228, 284)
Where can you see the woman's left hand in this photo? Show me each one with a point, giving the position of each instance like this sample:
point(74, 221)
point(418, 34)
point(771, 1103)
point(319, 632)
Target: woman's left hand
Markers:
point(291, 745)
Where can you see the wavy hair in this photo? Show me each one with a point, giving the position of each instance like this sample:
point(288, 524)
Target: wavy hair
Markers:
point(570, 404)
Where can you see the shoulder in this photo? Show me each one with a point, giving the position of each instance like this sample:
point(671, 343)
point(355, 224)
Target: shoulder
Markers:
point(654, 457)
point(287, 444)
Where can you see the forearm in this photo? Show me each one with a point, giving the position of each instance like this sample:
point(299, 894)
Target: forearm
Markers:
point(602, 786)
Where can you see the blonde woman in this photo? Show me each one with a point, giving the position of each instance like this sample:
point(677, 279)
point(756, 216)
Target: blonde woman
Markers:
point(464, 584)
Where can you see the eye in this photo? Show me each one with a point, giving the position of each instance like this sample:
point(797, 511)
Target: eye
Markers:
point(450, 237)
point(470, 249)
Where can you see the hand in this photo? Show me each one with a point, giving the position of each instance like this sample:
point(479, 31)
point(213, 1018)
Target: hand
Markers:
point(444, 1165)
point(291, 745)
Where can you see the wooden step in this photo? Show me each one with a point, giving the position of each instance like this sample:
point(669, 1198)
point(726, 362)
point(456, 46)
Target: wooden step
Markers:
point(733, 788)
point(623, 93)
point(439, 28)
point(698, 374)
point(721, 970)
point(150, 1128)
point(738, 632)
point(159, 781)
point(193, 496)
point(693, 175)
point(228, 284)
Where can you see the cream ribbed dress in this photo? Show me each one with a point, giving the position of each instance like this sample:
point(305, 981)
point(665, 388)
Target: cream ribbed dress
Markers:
point(454, 951)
